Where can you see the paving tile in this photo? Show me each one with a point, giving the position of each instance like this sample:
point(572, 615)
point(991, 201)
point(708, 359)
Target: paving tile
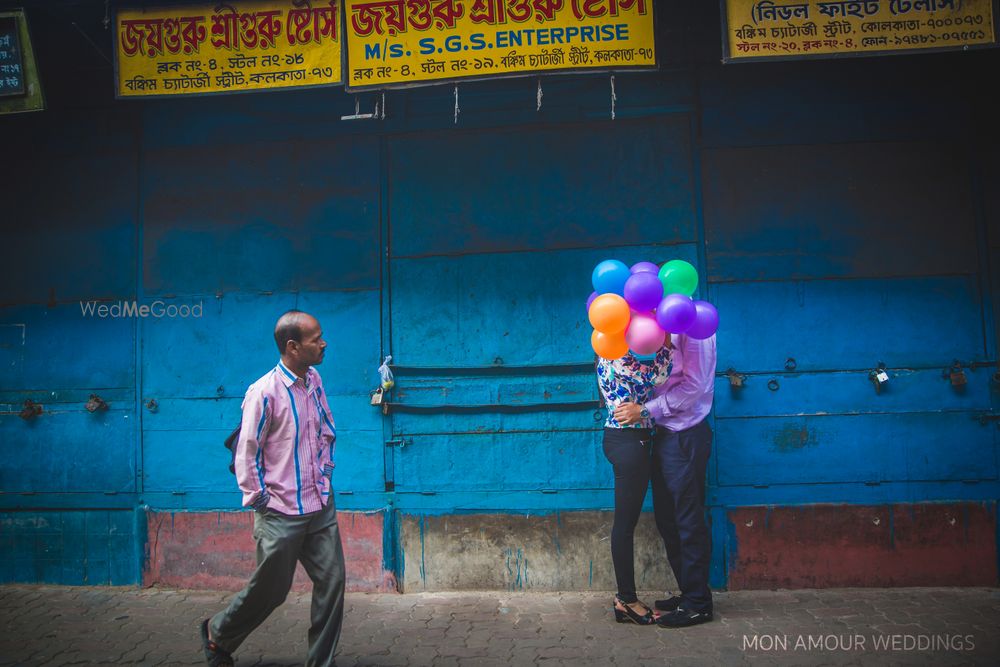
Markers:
point(52, 625)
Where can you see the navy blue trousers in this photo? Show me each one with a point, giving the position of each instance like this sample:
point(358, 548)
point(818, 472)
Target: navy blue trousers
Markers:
point(679, 462)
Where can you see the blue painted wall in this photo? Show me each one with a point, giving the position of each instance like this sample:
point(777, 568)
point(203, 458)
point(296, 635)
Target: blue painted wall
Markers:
point(841, 213)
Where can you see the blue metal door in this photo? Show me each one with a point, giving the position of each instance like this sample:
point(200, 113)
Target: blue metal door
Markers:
point(493, 237)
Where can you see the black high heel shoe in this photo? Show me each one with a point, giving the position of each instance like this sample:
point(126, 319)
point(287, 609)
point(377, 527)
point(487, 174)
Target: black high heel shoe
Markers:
point(629, 615)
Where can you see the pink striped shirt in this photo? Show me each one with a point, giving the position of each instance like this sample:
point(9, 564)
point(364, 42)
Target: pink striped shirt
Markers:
point(286, 442)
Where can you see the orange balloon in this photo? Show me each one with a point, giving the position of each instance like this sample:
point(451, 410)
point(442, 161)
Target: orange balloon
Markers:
point(609, 346)
point(610, 314)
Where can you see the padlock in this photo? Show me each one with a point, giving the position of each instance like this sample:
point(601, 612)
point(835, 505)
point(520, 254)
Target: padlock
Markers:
point(957, 377)
point(879, 377)
point(95, 403)
point(31, 410)
point(377, 396)
point(736, 380)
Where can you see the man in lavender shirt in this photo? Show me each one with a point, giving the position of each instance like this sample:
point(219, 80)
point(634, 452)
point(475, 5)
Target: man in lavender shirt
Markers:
point(681, 447)
point(284, 458)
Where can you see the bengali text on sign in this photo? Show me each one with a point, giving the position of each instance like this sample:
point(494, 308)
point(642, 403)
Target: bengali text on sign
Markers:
point(769, 29)
point(406, 42)
point(228, 48)
point(11, 66)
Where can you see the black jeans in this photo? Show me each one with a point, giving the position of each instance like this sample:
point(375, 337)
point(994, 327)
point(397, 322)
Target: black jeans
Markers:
point(628, 451)
point(680, 460)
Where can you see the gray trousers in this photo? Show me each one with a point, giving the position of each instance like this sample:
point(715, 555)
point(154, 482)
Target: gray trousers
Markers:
point(282, 540)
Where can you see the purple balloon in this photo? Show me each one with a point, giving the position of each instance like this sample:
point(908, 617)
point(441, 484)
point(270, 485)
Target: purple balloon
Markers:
point(643, 291)
point(645, 267)
point(590, 300)
point(706, 321)
point(676, 313)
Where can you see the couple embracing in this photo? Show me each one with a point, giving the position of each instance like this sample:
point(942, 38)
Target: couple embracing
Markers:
point(657, 431)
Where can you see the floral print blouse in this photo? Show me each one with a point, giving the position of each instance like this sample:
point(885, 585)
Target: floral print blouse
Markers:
point(627, 380)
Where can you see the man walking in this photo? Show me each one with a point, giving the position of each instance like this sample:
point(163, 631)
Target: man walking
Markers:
point(284, 458)
point(681, 447)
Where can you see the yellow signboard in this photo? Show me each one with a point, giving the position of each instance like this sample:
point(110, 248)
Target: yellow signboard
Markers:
point(406, 42)
point(228, 48)
point(769, 29)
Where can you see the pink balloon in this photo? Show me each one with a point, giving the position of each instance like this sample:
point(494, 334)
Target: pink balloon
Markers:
point(644, 335)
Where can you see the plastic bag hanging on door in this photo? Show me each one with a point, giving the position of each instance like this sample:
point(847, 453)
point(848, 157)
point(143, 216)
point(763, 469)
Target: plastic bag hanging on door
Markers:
point(386, 374)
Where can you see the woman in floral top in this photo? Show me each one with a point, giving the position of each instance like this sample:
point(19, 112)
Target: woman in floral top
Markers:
point(627, 380)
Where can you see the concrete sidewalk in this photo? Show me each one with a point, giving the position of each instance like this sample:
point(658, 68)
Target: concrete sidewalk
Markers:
point(56, 625)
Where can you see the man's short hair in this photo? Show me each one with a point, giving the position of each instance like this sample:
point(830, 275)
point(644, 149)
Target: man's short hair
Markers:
point(288, 327)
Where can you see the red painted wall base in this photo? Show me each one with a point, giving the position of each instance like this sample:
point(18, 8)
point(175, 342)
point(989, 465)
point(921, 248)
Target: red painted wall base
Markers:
point(215, 550)
point(824, 546)
point(814, 546)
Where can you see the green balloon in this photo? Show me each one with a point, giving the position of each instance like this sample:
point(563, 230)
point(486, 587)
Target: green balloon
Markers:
point(678, 277)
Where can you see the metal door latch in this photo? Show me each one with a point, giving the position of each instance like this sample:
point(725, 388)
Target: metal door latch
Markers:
point(736, 380)
point(956, 375)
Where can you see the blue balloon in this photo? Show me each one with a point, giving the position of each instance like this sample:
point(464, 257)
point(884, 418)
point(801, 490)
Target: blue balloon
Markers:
point(609, 277)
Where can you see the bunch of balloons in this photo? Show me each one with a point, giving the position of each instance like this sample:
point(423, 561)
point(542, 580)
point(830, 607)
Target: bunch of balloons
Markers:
point(635, 308)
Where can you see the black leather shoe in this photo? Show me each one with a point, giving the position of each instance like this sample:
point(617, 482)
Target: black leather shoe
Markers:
point(628, 615)
point(669, 604)
point(682, 618)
